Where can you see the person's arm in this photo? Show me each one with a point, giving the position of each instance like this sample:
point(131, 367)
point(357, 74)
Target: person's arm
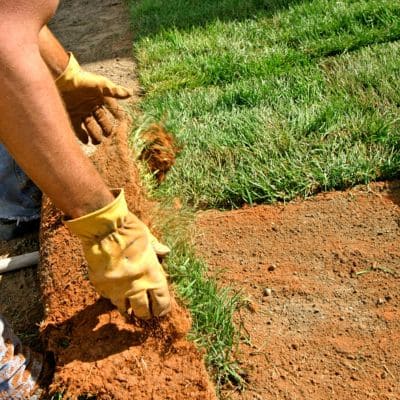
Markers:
point(35, 129)
point(34, 125)
point(52, 52)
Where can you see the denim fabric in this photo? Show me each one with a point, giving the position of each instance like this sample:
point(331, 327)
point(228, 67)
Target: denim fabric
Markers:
point(20, 199)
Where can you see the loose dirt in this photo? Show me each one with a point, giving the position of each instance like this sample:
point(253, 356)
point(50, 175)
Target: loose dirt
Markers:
point(321, 278)
point(159, 151)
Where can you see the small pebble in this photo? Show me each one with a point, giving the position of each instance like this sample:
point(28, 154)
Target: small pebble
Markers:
point(267, 291)
point(272, 267)
point(380, 301)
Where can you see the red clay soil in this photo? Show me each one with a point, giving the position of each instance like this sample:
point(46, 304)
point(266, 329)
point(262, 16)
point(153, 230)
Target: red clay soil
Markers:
point(159, 150)
point(322, 281)
point(96, 350)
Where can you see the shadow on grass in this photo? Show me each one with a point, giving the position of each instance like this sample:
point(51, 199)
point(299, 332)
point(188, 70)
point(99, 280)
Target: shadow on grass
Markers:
point(151, 17)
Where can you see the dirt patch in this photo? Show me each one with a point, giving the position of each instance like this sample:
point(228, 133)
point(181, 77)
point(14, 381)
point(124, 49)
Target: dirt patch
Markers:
point(322, 280)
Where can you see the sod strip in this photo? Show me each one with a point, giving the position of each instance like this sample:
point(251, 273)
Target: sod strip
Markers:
point(271, 102)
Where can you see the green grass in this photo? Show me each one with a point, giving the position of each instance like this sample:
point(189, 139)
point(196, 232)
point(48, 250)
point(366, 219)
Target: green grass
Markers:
point(211, 307)
point(269, 100)
point(272, 100)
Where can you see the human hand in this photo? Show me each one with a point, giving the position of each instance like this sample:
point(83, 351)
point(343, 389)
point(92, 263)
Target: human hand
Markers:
point(88, 99)
point(123, 265)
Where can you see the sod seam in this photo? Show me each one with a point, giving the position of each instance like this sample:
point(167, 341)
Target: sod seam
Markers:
point(211, 307)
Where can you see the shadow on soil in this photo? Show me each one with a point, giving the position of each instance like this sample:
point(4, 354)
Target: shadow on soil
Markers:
point(78, 338)
point(63, 337)
point(150, 17)
point(394, 192)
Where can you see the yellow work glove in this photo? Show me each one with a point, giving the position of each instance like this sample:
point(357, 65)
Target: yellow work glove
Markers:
point(123, 265)
point(84, 97)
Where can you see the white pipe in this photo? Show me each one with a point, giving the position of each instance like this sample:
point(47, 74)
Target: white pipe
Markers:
point(18, 262)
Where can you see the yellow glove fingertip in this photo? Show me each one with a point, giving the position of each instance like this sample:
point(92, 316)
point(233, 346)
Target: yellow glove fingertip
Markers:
point(120, 92)
point(160, 301)
point(159, 248)
point(140, 305)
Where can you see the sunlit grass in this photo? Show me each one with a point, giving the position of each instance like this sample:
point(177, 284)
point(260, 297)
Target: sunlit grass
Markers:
point(277, 102)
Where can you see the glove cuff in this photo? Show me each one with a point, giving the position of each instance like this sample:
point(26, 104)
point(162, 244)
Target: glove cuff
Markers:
point(65, 81)
point(100, 223)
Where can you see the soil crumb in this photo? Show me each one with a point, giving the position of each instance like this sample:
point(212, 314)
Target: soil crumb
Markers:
point(322, 277)
point(159, 151)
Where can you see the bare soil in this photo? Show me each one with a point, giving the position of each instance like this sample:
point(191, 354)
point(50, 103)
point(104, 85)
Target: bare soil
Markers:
point(321, 278)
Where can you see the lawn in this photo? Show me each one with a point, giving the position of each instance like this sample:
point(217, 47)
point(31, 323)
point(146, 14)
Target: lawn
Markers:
point(271, 100)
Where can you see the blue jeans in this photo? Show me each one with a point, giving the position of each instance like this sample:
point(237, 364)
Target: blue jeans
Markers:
point(20, 198)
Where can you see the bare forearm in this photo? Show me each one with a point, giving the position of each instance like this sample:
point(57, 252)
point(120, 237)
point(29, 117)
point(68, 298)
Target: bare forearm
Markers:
point(52, 52)
point(35, 129)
